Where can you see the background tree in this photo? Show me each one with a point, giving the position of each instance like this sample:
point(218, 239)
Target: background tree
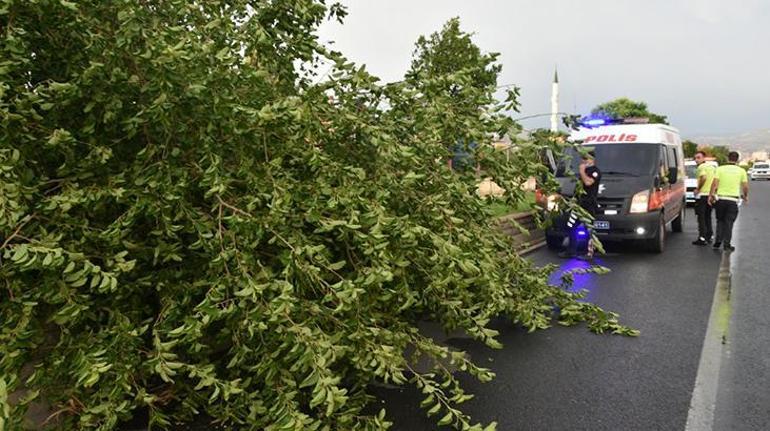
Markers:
point(189, 224)
point(626, 108)
point(449, 52)
point(690, 148)
point(448, 68)
point(718, 152)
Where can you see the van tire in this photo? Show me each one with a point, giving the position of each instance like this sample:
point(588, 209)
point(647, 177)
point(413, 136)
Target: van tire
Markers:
point(677, 224)
point(658, 243)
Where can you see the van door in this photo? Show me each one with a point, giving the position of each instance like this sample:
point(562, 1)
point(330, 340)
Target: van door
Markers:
point(662, 186)
point(680, 189)
point(674, 182)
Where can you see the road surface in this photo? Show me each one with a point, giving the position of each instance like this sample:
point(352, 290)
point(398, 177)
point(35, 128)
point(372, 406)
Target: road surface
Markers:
point(743, 396)
point(568, 378)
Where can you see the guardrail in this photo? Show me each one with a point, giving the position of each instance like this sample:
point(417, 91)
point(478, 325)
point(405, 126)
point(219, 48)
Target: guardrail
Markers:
point(526, 236)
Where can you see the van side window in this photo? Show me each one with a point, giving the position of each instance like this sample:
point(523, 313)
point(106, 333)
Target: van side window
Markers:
point(663, 164)
point(672, 161)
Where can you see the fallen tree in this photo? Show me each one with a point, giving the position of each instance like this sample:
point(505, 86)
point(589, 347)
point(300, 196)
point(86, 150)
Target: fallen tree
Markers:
point(195, 221)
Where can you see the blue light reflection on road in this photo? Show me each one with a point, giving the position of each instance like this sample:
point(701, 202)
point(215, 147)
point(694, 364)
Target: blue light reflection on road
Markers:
point(582, 282)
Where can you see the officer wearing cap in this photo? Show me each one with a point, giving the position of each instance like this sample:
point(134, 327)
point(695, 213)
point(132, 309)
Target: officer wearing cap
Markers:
point(730, 184)
point(705, 174)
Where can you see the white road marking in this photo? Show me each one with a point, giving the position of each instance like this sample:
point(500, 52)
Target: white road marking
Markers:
point(704, 396)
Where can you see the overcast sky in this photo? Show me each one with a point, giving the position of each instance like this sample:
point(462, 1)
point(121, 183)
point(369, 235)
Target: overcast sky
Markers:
point(704, 63)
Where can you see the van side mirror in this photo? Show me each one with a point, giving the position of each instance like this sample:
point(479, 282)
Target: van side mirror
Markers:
point(673, 174)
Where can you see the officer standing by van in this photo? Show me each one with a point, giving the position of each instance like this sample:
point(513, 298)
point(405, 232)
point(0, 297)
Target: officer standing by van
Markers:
point(705, 174)
point(729, 186)
point(589, 176)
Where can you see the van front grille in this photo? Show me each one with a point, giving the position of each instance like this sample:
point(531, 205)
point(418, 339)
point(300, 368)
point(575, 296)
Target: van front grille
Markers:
point(611, 203)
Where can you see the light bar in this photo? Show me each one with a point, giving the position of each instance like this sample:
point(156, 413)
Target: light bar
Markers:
point(595, 122)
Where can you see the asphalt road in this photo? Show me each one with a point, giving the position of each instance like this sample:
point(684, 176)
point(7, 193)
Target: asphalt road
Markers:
point(743, 395)
point(569, 378)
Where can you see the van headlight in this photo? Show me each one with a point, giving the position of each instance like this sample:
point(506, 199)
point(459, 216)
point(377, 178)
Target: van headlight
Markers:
point(640, 202)
point(552, 203)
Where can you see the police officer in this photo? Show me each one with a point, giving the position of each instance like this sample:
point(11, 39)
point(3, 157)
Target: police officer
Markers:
point(590, 176)
point(705, 174)
point(730, 184)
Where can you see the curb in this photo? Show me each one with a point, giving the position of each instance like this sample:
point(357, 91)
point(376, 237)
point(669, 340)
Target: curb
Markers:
point(532, 248)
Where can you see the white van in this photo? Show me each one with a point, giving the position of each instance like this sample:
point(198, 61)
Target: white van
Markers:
point(642, 188)
point(760, 171)
point(690, 181)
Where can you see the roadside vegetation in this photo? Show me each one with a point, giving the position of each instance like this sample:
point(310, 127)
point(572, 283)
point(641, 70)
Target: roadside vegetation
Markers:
point(624, 107)
point(499, 207)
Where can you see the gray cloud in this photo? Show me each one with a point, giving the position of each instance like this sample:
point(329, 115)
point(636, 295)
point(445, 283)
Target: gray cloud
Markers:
point(704, 63)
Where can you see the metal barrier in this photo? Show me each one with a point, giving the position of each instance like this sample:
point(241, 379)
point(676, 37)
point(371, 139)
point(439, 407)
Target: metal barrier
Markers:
point(524, 231)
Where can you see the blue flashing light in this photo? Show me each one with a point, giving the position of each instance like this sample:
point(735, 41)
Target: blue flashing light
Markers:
point(597, 120)
point(582, 232)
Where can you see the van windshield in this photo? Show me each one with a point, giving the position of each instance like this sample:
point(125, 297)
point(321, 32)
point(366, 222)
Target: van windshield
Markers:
point(691, 170)
point(761, 166)
point(635, 160)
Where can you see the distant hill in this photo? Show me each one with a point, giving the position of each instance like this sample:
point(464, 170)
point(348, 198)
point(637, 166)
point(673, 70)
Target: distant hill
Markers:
point(756, 140)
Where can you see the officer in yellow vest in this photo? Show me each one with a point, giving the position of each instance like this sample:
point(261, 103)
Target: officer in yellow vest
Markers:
point(705, 174)
point(730, 184)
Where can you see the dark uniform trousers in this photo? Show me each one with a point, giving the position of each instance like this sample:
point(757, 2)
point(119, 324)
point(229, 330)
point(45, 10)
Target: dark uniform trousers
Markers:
point(591, 205)
point(727, 212)
point(703, 210)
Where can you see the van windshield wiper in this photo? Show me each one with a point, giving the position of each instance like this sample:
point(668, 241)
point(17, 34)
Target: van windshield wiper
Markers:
point(628, 174)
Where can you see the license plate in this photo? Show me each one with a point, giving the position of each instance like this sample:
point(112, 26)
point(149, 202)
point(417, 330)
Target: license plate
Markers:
point(603, 225)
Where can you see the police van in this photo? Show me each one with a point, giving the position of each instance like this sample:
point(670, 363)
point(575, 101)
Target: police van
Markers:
point(642, 190)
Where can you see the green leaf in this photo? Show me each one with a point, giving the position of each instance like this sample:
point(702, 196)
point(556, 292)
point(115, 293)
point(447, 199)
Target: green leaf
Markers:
point(435, 409)
point(446, 420)
point(69, 5)
point(318, 397)
point(20, 254)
